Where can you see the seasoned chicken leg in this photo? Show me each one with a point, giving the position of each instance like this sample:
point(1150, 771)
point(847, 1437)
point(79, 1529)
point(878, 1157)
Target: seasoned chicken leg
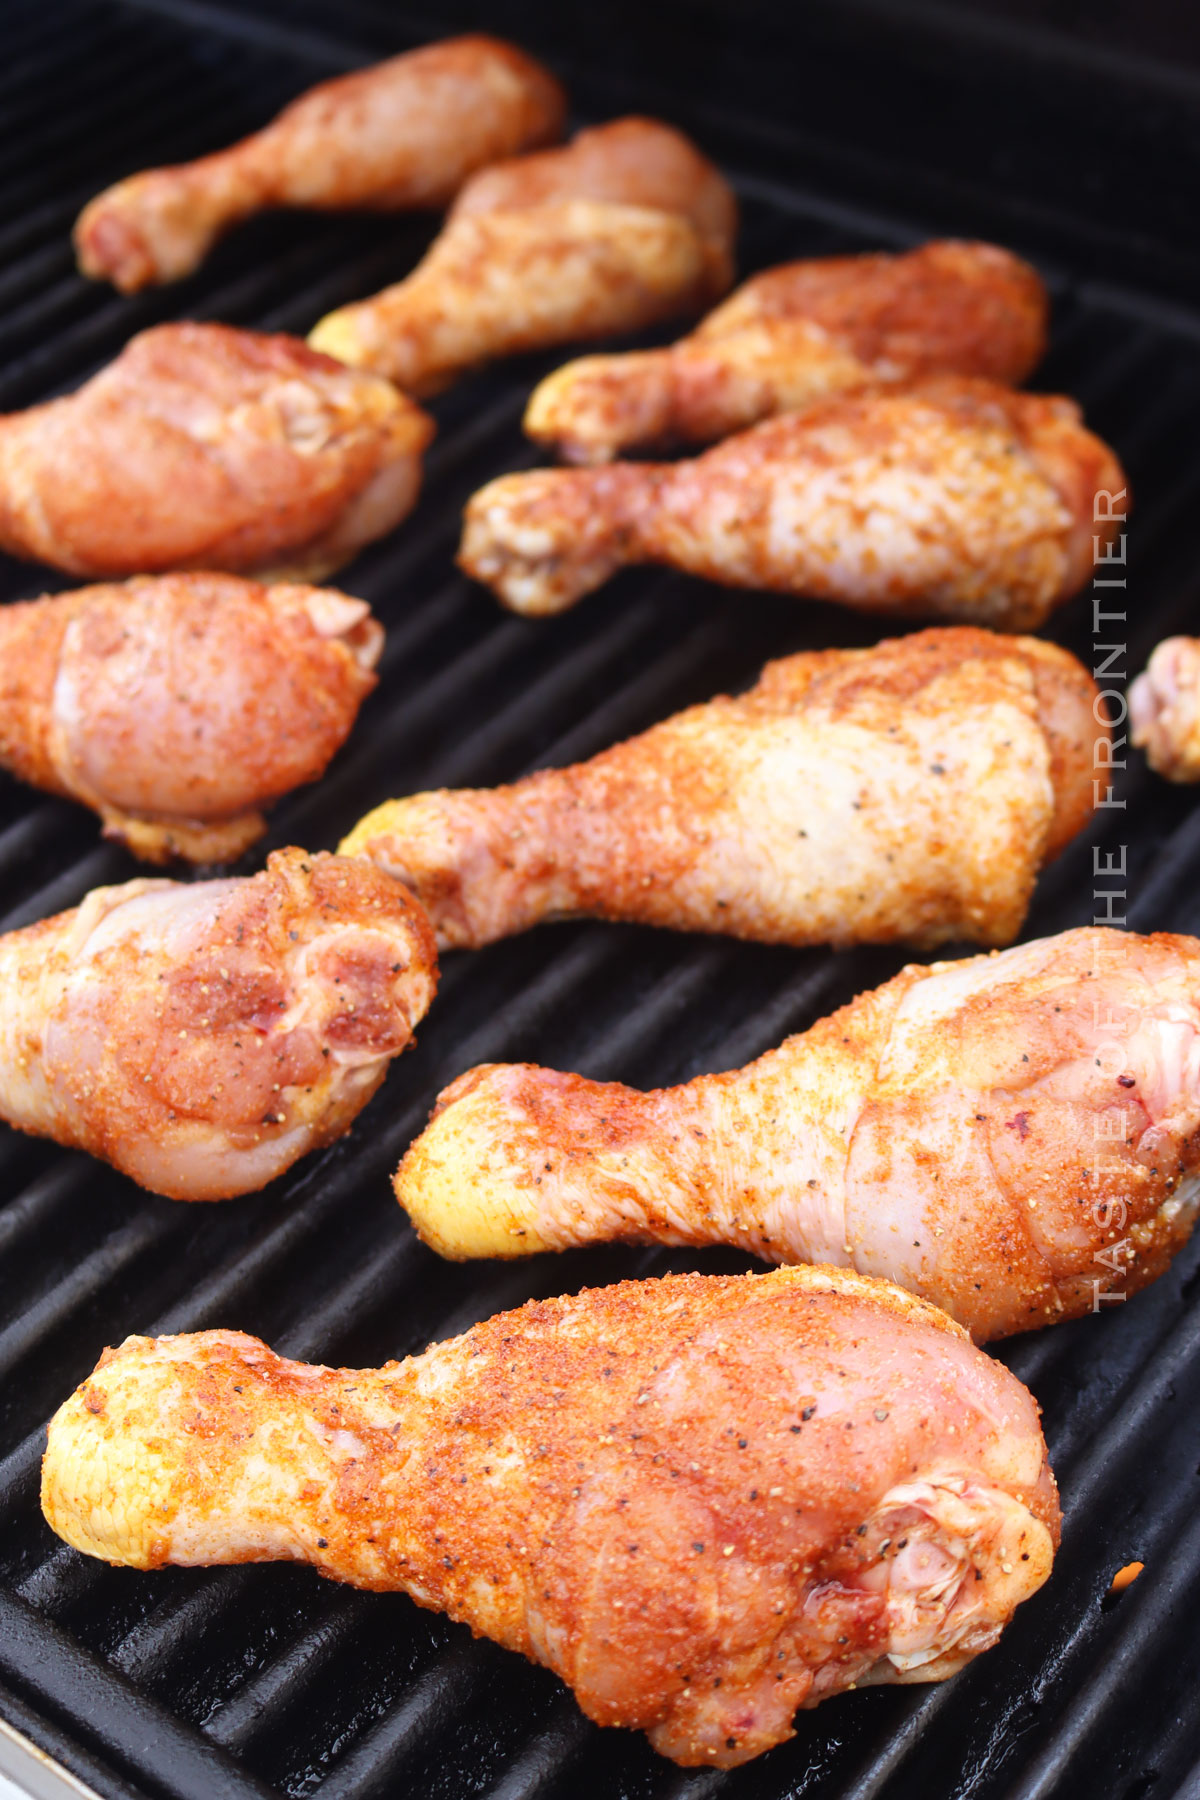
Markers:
point(179, 705)
point(1164, 709)
point(907, 792)
point(702, 1501)
point(206, 447)
point(796, 334)
point(202, 1037)
point(1016, 1137)
point(953, 498)
point(404, 133)
point(626, 225)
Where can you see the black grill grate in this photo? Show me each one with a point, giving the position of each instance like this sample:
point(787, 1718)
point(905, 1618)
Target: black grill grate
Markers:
point(263, 1682)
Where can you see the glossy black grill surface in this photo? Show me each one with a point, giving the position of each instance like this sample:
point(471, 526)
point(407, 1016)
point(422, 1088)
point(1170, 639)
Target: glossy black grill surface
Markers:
point(266, 1681)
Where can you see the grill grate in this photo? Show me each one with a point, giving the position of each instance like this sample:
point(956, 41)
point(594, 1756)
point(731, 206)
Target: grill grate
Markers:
point(266, 1682)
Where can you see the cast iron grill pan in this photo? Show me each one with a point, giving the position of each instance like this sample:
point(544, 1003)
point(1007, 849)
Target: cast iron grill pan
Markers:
point(230, 1684)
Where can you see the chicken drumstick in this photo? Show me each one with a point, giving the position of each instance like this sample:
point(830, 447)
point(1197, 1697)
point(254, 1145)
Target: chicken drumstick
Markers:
point(796, 334)
point(907, 792)
point(404, 133)
point(203, 1037)
point(206, 447)
point(180, 705)
point(1011, 1137)
point(1164, 709)
point(702, 1501)
point(954, 498)
point(625, 225)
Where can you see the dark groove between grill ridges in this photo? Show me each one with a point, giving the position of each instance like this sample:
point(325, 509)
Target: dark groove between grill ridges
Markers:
point(25, 67)
point(33, 1208)
point(24, 1336)
point(1143, 1614)
point(59, 1582)
point(552, 1752)
point(238, 1721)
point(62, 1744)
point(449, 1684)
point(57, 129)
point(82, 1688)
point(146, 92)
point(808, 983)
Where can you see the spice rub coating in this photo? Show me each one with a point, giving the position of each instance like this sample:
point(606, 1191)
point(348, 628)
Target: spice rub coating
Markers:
point(178, 706)
point(702, 1501)
point(1006, 1136)
point(1164, 709)
point(201, 1037)
point(206, 447)
point(951, 498)
point(625, 225)
point(404, 133)
point(908, 792)
point(799, 333)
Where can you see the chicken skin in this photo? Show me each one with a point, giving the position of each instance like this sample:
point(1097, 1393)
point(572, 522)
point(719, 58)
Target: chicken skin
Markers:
point(797, 334)
point(1012, 1137)
point(906, 792)
point(206, 447)
point(180, 705)
point(1164, 709)
point(626, 225)
point(702, 1501)
point(404, 133)
point(201, 1037)
point(954, 498)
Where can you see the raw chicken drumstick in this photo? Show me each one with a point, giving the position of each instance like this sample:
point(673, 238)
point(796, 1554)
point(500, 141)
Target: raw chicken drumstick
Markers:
point(201, 1037)
point(954, 498)
point(1015, 1137)
point(180, 705)
point(911, 791)
point(796, 334)
point(404, 133)
point(702, 1501)
point(1164, 709)
point(626, 225)
point(206, 447)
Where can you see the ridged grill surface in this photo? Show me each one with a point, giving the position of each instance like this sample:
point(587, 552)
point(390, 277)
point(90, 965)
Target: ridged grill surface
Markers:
point(265, 1681)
